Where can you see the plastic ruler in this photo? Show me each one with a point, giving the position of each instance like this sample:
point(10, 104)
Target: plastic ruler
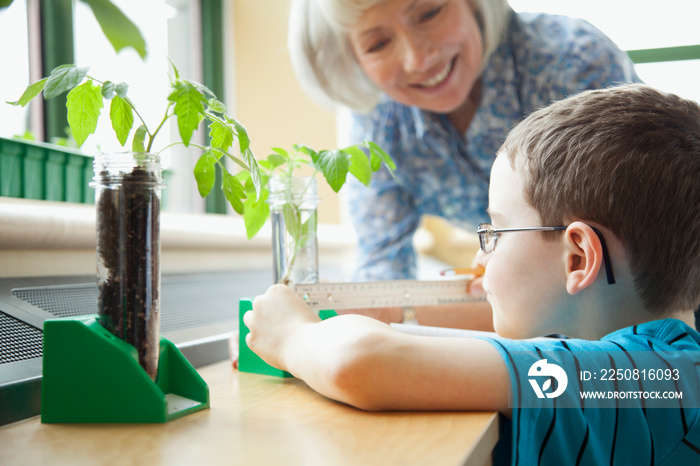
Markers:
point(388, 293)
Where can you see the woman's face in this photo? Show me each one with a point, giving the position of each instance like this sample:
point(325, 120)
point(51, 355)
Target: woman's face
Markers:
point(425, 53)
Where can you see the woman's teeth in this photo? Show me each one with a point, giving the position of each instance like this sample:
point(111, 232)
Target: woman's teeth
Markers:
point(438, 78)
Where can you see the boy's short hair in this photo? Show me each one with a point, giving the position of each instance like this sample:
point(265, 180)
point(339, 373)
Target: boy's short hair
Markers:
point(628, 159)
point(325, 64)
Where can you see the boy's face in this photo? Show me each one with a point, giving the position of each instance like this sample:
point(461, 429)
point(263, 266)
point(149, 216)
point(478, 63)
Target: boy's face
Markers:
point(525, 277)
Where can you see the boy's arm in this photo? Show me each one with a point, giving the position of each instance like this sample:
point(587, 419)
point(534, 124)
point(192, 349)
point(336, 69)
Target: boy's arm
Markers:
point(367, 364)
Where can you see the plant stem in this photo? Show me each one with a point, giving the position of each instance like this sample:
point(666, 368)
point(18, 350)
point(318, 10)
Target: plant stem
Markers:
point(143, 122)
point(152, 137)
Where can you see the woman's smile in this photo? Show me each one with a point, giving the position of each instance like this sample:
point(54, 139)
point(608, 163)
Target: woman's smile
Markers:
point(438, 78)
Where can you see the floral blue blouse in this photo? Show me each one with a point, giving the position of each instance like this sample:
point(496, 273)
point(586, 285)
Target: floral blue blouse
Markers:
point(443, 173)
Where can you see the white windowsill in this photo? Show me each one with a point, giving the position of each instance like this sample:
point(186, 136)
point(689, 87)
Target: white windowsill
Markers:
point(42, 238)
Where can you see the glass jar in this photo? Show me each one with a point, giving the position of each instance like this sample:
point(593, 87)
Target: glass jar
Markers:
point(293, 217)
point(127, 203)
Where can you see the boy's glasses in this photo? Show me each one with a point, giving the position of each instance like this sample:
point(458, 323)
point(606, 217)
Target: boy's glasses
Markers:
point(488, 235)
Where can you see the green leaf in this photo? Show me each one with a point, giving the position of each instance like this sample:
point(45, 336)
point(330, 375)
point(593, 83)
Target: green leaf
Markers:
point(307, 230)
point(63, 78)
point(282, 152)
point(176, 72)
point(84, 104)
point(28, 135)
point(221, 135)
point(118, 29)
point(243, 139)
point(216, 106)
point(359, 164)
point(137, 144)
point(254, 170)
point(234, 192)
point(250, 188)
point(205, 173)
point(313, 155)
point(255, 213)
point(122, 116)
point(121, 89)
point(189, 108)
point(292, 221)
point(334, 165)
point(30, 92)
point(244, 177)
point(206, 92)
point(110, 89)
point(276, 160)
point(378, 155)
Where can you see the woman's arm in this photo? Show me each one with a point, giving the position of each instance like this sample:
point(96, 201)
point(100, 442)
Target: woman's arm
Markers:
point(367, 364)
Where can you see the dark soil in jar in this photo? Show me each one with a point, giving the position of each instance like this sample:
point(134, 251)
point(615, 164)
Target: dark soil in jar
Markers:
point(128, 255)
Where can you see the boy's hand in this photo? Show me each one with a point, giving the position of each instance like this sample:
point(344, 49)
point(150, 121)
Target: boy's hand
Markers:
point(276, 320)
point(233, 349)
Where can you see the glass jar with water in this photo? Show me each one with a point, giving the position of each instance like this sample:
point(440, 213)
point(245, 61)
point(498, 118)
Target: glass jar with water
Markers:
point(293, 217)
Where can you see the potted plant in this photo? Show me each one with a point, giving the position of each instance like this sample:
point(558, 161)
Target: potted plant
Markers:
point(128, 188)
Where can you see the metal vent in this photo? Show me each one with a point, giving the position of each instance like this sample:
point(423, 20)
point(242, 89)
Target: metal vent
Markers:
point(186, 301)
point(18, 341)
point(63, 300)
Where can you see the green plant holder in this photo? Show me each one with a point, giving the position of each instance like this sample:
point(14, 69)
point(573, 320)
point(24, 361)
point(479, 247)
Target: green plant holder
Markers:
point(248, 361)
point(76, 182)
point(55, 182)
point(34, 171)
point(92, 376)
point(11, 155)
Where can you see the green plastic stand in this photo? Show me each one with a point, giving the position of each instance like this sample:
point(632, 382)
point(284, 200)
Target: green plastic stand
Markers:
point(91, 376)
point(251, 362)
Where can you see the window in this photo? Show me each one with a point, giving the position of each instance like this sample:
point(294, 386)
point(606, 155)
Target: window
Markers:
point(635, 25)
point(15, 75)
point(172, 29)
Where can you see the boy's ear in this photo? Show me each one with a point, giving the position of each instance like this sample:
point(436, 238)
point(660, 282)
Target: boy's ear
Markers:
point(584, 256)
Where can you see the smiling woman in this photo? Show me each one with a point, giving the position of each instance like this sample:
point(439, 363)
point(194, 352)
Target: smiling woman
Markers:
point(425, 54)
point(438, 84)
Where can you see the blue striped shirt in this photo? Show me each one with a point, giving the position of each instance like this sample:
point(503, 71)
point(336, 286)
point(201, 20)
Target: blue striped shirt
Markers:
point(444, 173)
point(571, 430)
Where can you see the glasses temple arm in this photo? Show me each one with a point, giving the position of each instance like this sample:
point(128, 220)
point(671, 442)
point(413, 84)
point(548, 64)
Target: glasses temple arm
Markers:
point(606, 257)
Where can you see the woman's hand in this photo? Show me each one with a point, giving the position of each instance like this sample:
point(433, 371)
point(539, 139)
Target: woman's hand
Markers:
point(475, 287)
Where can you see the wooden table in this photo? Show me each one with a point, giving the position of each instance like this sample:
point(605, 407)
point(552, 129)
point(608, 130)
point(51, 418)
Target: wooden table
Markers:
point(260, 420)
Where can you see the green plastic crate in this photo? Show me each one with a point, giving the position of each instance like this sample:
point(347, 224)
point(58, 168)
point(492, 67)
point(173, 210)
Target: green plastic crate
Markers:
point(11, 155)
point(36, 170)
point(55, 176)
point(34, 173)
point(76, 181)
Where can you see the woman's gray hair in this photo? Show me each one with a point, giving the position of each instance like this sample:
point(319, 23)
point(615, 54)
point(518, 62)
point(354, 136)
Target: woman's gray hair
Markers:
point(322, 56)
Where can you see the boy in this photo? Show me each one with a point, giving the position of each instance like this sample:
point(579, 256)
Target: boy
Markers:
point(595, 206)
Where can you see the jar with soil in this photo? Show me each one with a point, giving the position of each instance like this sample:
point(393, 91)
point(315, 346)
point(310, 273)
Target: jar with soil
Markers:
point(293, 217)
point(127, 201)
